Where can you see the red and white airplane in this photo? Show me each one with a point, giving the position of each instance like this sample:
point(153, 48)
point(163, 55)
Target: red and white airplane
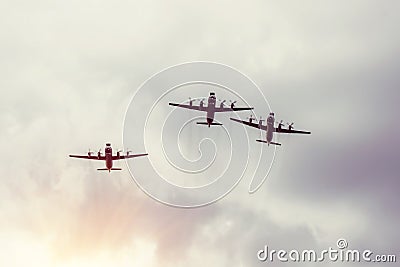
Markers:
point(108, 157)
point(211, 108)
point(270, 128)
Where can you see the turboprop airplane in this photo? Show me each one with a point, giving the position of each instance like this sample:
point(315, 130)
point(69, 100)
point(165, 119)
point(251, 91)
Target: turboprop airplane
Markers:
point(211, 108)
point(108, 157)
point(270, 128)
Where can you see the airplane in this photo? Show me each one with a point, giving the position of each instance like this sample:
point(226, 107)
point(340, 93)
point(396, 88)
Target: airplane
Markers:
point(108, 157)
point(270, 129)
point(211, 108)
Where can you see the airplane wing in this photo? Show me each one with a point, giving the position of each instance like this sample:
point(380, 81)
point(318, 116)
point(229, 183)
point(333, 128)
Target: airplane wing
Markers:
point(252, 124)
point(228, 109)
point(194, 107)
point(281, 130)
point(87, 157)
point(128, 156)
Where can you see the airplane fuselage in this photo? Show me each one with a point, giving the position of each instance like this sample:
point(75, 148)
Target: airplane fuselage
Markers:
point(108, 155)
point(270, 128)
point(211, 109)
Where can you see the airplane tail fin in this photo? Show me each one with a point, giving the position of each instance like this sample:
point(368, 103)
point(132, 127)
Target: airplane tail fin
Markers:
point(273, 143)
point(206, 123)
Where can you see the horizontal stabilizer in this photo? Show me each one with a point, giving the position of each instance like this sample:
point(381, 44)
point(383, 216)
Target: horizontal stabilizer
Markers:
point(206, 123)
point(112, 169)
point(263, 141)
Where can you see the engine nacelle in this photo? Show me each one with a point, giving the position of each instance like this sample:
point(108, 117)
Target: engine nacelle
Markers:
point(118, 154)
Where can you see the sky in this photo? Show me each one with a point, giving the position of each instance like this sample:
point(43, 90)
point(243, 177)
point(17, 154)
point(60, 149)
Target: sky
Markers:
point(70, 70)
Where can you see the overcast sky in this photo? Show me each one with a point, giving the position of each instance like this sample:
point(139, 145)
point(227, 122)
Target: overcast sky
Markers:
point(69, 70)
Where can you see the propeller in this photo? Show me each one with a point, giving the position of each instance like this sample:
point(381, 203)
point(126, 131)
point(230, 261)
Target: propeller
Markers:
point(290, 125)
point(232, 103)
point(90, 152)
point(192, 100)
point(222, 103)
point(260, 120)
point(99, 153)
point(251, 118)
point(128, 151)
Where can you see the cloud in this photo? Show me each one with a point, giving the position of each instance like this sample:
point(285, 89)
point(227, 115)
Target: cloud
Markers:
point(70, 69)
